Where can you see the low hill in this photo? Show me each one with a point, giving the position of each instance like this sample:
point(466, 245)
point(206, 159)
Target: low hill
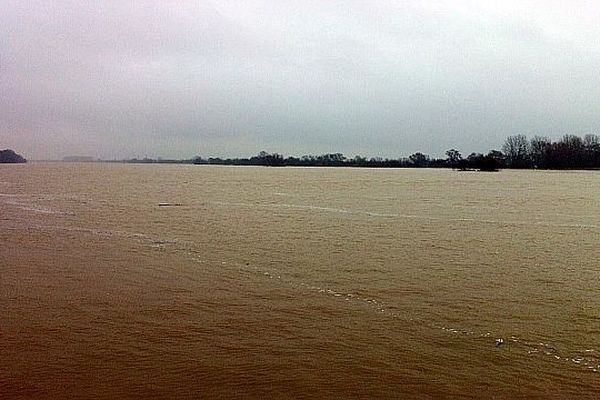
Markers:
point(9, 156)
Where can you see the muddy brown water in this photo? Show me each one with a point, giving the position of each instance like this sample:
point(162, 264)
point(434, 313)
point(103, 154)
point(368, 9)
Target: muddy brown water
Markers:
point(166, 281)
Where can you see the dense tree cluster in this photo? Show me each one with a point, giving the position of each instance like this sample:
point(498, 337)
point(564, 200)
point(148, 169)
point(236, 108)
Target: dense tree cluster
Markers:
point(570, 152)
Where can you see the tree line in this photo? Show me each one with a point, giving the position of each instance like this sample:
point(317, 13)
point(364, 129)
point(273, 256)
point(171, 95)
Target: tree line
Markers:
point(569, 152)
point(475, 161)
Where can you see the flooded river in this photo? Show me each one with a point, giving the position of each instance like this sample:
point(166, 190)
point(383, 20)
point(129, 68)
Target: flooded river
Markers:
point(182, 281)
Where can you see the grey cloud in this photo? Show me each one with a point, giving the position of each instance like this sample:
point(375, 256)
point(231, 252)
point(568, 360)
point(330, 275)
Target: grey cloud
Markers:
point(389, 78)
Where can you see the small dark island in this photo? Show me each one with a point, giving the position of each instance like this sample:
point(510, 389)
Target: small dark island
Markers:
point(9, 156)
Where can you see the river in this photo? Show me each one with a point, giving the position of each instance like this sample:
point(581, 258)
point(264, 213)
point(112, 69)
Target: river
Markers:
point(183, 281)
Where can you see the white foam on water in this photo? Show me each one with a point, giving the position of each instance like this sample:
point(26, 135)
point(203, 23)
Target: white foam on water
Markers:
point(36, 209)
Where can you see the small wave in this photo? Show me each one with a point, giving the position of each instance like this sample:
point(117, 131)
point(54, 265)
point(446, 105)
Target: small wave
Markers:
point(412, 216)
point(584, 358)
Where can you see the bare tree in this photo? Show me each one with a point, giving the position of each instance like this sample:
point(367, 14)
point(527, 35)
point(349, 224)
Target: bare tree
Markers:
point(591, 141)
point(538, 150)
point(591, 144)
point(516, 150)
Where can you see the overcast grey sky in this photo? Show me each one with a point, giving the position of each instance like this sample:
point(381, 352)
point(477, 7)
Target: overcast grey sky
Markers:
point(215, 77)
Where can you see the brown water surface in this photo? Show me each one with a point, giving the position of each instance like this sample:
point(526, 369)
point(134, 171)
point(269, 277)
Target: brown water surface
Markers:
point(137, 281)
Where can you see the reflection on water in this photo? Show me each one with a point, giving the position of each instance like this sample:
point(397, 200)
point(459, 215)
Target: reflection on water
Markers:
point(181, 281)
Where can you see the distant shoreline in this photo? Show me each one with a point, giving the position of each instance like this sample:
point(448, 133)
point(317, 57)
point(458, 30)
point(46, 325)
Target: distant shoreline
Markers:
point(188, 162)
point(540, 153)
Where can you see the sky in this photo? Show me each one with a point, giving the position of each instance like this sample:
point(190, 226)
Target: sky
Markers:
point(175, 79)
